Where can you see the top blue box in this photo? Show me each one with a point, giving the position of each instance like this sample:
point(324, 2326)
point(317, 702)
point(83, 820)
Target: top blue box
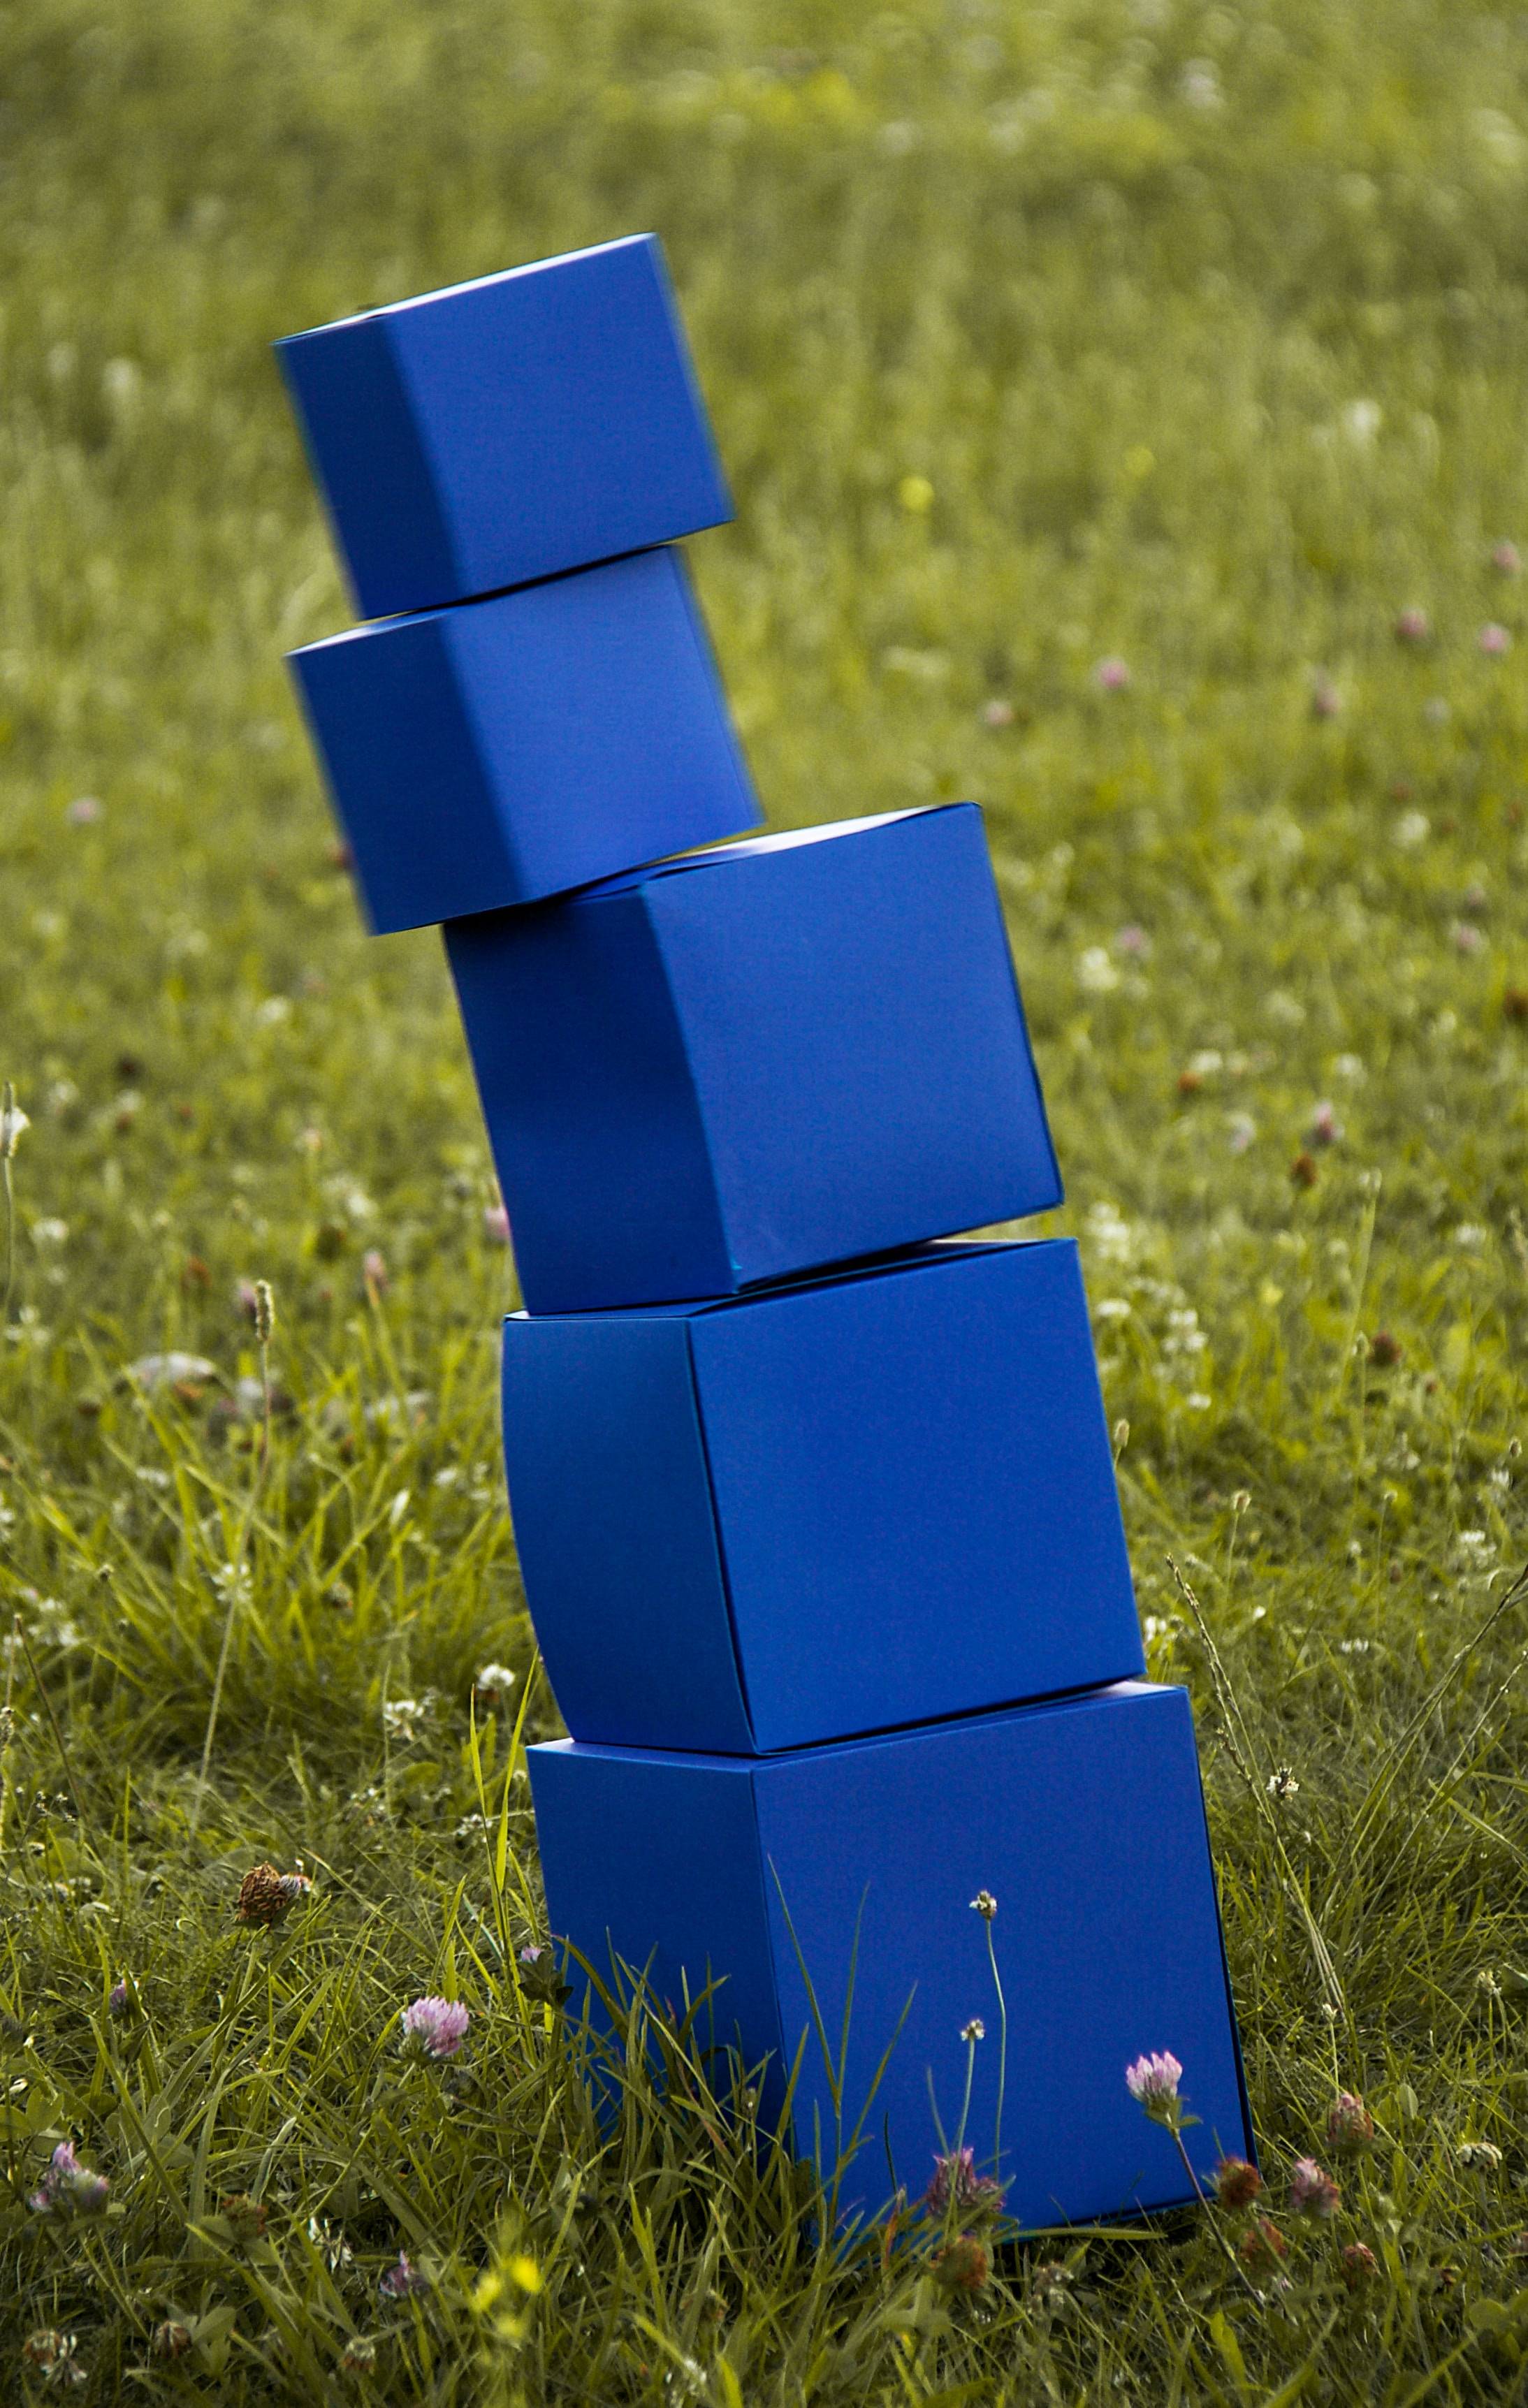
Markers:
point(753, 1061)
point(507, 430)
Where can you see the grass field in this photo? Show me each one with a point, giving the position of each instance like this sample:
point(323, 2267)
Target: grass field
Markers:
point(1193, 340)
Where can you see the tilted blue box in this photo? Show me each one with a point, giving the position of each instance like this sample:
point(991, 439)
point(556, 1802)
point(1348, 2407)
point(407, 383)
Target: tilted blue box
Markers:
point(854, 1866)
point(506, 429)
point(767, 1057)
point(508, 750)
point(821, 1509)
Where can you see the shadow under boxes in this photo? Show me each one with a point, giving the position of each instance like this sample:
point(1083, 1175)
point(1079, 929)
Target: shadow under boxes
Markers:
point(772, 1055)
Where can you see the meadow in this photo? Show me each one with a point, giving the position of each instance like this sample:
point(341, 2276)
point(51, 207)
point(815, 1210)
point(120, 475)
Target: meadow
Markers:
point(1125, 405)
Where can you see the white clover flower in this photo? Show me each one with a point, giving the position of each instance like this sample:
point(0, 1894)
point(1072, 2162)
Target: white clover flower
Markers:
point(1361, 420)
point(1199, 85)
point(1110, 1233)
point(403, 1717)
point(1097, 974)
point(152, 1372)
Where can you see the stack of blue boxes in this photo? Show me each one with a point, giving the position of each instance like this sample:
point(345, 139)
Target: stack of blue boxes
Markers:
point(813, 1499)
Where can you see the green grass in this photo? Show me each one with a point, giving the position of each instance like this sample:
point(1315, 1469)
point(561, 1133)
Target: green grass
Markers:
point(1206, 331)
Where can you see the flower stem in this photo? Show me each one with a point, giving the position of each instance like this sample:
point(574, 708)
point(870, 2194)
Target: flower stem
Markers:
point(965, 2104)
point(265, 1401)
point(1003, 2052)
point(11, 1241)
point(1224, 2246)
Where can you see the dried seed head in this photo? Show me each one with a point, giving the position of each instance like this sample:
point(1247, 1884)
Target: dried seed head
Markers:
point(1349, 2124)
point(1358, 2263)
point(964, 2265)
point(265, 1312)
point(169, 2340)
point(264, 1897)
point(1262, 2244)
point(246, 2215)
point(1237, 2183)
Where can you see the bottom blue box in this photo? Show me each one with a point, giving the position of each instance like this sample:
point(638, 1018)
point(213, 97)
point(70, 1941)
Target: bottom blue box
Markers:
point(832, 1888)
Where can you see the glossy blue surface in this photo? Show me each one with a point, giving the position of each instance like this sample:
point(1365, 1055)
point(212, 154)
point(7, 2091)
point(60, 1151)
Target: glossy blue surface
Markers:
point(781, 1054)
point(819, 1510)
point(1086, 1821)
point(509, 750)
point(506, 429)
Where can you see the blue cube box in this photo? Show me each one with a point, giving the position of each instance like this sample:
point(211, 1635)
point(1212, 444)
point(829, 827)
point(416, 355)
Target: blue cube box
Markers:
point(506, 429)
point(509, 750)
point(821, 1509)
point(781, 1054)
point(856, 1865)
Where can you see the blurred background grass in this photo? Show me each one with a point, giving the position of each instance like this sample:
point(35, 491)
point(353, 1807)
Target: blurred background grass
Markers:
point(1188, 340)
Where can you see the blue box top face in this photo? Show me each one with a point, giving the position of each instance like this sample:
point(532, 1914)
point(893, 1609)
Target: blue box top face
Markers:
point(787, 1052)
point(504, 751)
point(1085, 1820)
point(507, 429)
point(837, 1505)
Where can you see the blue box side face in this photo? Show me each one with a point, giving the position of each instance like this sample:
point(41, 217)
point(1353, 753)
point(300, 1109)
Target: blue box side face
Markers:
point(590, 1111)
point(658, 1859)
point(614, 1525)
point(364, 451)
point(858, 1045)
point(559, 413)
point(915, 1494)
point(1086, 1822)
point(386, 711)
point(600, 724)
